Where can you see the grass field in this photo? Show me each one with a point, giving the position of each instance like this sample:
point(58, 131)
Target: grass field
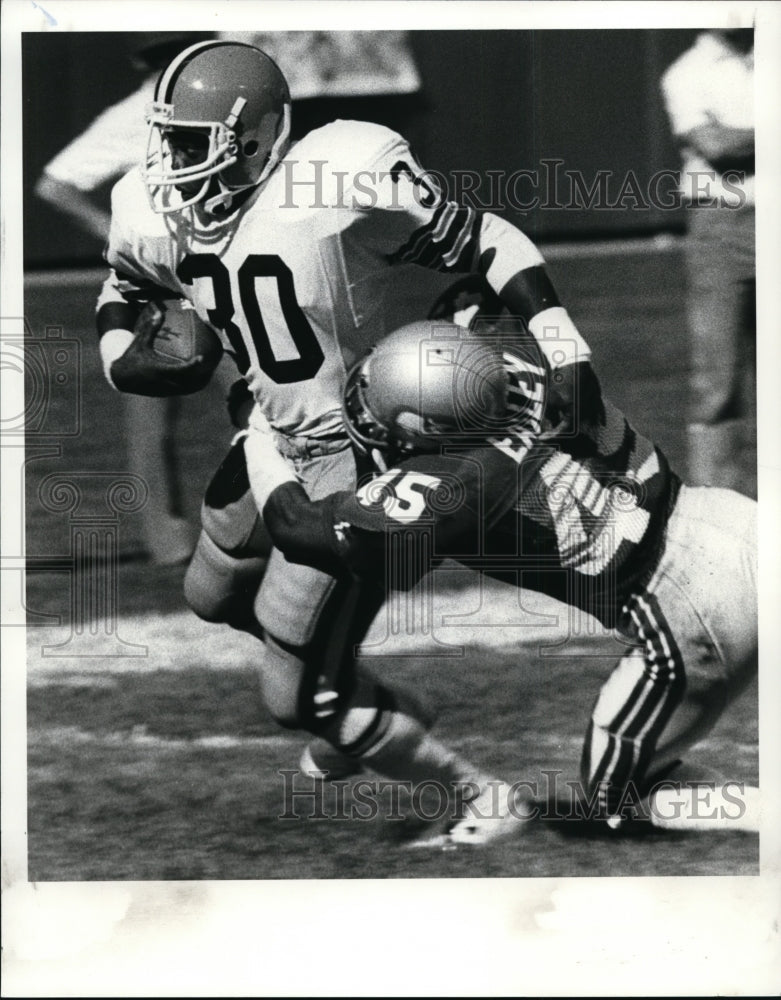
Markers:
point(164, 765)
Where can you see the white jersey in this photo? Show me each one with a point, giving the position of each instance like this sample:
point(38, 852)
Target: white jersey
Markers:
point(317, 265)
point(298, 280)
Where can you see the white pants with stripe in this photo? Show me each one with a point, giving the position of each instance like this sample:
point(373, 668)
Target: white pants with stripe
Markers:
point(695, 633)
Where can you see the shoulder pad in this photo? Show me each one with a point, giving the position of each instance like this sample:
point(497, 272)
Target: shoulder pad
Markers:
point(348, 145)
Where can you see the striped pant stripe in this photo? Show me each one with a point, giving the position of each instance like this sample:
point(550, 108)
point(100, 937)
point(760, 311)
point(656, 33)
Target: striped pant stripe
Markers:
point(634, 729)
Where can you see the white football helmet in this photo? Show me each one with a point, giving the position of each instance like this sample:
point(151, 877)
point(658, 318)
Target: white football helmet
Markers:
point(236, 98)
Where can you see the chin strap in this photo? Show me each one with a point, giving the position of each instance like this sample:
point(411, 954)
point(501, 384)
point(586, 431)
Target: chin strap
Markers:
point(221, 203)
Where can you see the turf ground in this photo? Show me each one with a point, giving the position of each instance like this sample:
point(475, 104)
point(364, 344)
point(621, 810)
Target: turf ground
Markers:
point(162, 764)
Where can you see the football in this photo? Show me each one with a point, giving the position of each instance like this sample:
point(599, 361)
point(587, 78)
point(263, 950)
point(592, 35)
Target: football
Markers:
point(184, 335)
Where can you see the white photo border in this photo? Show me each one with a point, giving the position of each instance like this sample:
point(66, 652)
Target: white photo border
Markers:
point(576, 937)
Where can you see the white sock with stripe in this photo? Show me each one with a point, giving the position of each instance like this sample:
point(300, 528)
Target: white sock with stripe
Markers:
point(388, 735)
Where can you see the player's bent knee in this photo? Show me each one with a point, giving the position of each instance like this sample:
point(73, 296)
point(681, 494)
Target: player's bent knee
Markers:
point(308, 670)
point(219, 587)
point(290, 680)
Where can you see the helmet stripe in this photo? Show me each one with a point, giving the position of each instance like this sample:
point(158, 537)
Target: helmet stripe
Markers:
point(165, 85)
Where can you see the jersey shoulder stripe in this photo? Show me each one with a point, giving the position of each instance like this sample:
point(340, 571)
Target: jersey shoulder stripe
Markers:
point(446, 243)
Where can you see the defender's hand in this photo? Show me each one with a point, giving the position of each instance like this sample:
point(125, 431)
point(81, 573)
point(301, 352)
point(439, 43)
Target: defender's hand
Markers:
point(574, 398)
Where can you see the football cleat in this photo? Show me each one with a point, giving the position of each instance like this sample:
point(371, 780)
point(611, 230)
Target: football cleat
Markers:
point(492, 811)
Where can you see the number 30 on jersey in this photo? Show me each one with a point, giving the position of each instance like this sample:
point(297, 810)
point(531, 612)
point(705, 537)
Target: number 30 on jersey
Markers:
point(256, 336)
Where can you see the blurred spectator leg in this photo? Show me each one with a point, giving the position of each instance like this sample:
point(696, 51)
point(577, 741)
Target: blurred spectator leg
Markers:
point(720, 264)
point(149, 427)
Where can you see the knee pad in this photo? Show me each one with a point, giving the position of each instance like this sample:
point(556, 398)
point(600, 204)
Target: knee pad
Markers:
point(229, 515)
point(219, 587)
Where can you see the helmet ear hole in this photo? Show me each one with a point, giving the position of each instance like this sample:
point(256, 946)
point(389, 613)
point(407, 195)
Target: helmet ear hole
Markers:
point(250, 148)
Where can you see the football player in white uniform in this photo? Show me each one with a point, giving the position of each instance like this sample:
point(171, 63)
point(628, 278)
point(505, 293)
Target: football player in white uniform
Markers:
point(299, 256)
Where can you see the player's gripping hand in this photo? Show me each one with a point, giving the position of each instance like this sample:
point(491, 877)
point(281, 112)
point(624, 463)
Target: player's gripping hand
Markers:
point(574, 399)
point(144, 371)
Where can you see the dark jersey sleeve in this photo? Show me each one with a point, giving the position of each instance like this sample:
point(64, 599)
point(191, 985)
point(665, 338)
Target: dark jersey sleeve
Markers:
point(304, 530)
point(399, 524)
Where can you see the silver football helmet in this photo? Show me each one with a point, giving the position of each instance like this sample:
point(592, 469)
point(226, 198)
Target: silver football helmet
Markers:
point(429, 383)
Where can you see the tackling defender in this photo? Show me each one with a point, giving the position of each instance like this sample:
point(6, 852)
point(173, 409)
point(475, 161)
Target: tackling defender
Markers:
point(301, 257)
point(473, 466)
